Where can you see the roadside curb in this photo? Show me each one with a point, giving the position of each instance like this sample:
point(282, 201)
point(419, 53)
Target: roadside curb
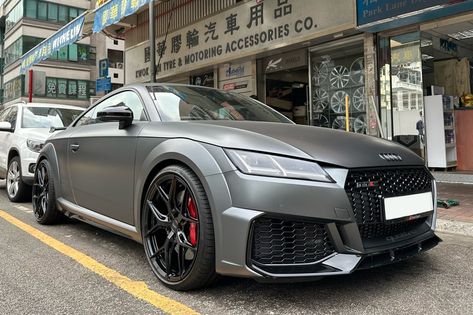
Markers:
point(455, 227)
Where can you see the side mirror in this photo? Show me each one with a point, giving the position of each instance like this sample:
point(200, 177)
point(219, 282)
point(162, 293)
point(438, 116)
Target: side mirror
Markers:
point(5, 126)
point(121, 113)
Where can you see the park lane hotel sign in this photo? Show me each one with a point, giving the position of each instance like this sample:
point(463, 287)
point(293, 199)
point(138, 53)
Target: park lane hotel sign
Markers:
point(244, 30)
point(69, 34)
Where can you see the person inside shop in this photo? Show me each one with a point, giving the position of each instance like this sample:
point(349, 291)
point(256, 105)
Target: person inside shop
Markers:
point(420, 127)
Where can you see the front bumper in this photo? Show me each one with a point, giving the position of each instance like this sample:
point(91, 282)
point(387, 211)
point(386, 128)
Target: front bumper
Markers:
point(324, 203)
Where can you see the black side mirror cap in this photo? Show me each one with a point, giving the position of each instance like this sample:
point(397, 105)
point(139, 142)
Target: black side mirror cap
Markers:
point(122, 114)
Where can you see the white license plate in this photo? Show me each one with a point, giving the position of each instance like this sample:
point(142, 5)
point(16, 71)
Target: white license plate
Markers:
point(405, 206)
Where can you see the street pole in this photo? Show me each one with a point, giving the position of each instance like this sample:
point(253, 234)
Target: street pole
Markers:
point(152, 43)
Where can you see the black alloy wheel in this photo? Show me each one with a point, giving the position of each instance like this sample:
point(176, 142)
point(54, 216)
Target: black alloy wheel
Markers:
point(44, 195)
point(177, 230)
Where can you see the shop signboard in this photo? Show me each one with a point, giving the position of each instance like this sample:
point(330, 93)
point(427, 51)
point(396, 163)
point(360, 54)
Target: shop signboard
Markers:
point(103, 84)
point(378, 15)
point(115, 10)
point(239, 32)
point(286, 61)
point(67, 35)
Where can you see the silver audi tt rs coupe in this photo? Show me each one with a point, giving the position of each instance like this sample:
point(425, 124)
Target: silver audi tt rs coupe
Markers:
point(216, 183)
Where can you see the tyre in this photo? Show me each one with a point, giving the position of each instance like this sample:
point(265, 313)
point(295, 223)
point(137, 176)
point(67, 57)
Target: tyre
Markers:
point(17, 190)
point(177, 230)
point(44, 195)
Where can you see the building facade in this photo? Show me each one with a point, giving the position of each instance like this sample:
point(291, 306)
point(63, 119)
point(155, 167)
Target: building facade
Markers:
point(363, 66)
point(69, 75)
point(303, 58)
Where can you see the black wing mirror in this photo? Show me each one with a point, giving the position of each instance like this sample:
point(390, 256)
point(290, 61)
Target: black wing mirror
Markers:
point(5, 126)
point(120, 113)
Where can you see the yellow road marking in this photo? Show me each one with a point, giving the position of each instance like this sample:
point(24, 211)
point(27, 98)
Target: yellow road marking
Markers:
point(138, 289)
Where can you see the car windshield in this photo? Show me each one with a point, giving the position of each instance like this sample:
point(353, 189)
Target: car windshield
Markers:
point(179, 103)
point(47, 117)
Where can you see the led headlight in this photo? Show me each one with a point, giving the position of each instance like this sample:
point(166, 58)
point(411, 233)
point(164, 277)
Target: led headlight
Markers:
point(276, 166)
point(34, 145)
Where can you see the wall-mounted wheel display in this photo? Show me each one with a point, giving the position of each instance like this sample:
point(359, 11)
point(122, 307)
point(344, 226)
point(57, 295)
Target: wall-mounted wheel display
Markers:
point(357, 71)
point(359, 124)
point(339, 77)
point(358, 99)
point(340, 123)
point(337, 102)
point(322, 121)
point(321, 100)
point(320, 73)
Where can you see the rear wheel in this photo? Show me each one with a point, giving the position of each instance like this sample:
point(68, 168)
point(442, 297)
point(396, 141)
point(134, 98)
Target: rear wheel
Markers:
point(177, 230)
point(44, 195)
point(17, 190)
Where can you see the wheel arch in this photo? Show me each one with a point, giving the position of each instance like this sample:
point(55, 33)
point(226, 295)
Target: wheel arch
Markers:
point(12, 153)
point(199, 160)
point(49, 153)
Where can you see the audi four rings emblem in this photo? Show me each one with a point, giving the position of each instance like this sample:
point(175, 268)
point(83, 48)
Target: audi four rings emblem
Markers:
point(391, 157)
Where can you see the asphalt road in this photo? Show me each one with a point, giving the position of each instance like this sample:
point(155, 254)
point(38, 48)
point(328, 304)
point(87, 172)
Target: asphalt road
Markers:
point(37, 279)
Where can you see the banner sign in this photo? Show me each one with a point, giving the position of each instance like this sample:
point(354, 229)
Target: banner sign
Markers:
point(67, 35)
point(115, 10)
point(241, 31)
point(371, 12)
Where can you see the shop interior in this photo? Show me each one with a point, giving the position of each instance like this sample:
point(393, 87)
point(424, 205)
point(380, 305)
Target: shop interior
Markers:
point(287, 92)
point(338, 86)
point(426, 96)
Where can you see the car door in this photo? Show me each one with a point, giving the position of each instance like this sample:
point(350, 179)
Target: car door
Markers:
point(3, 144)
point(101, 159)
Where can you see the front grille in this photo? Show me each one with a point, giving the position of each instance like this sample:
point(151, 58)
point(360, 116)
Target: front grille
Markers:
point(366, 189)
point(281, 241)
point(382, 230)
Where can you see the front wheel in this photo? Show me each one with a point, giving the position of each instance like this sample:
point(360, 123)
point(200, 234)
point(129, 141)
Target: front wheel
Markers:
point(177, 230)
point(17, 190)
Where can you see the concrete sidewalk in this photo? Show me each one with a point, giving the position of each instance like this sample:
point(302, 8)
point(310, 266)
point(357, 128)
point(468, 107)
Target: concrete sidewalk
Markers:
point(458, 219)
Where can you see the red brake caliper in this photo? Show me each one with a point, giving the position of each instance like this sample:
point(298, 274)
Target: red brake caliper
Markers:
point(192, 209)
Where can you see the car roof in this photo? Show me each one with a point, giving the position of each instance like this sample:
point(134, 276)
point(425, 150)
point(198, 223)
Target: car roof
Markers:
point(48, 105)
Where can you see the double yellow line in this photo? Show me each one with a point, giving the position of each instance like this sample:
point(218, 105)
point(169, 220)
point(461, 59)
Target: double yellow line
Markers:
point(138, 289)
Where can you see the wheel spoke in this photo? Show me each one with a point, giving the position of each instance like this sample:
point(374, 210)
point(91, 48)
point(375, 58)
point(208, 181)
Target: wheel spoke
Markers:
point(163, 194)
point(181, 260)
point(182, 241)
point(168, 253)
point(172, 192)
point(162, 219)
point(159, 251)
point(40, 178)
point(183, 205)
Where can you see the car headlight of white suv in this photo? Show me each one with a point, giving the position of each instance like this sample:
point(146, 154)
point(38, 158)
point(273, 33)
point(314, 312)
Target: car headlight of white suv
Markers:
point(34, 145)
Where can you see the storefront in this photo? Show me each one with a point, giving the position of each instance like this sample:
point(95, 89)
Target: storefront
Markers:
point(300, 57)
point(425, 55)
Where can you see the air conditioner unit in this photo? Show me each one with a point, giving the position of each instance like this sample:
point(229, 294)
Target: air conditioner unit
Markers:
point(120, 65)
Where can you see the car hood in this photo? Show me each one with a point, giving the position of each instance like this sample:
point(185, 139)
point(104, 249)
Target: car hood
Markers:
point(324, 145)
point(35, 133)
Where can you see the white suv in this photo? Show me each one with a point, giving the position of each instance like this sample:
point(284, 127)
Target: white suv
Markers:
point(23, 130)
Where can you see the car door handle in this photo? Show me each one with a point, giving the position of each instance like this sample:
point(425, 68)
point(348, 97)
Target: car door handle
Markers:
point(74, 147)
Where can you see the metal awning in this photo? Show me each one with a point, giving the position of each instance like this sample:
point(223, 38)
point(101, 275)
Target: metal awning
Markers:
point(112, 12)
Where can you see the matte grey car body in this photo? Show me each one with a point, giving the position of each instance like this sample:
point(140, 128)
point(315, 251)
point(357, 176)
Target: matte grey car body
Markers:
point(101, 174)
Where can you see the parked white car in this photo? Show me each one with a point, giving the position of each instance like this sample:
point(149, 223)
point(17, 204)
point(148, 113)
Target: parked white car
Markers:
point(23, 130)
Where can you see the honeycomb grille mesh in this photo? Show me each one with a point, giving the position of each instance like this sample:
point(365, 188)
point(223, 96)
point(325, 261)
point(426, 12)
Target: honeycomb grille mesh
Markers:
point(279, 241)
point(366, 199)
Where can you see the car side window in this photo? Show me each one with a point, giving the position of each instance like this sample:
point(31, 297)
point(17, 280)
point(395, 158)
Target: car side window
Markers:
point(4, 113)
point(11, 116)
point(127, 98)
